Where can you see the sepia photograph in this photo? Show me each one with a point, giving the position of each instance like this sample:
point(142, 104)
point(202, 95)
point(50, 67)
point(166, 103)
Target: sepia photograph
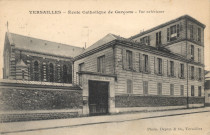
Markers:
point(100, 67)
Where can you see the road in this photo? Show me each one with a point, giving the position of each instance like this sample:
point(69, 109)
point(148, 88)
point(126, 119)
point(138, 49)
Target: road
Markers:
point(187, 124)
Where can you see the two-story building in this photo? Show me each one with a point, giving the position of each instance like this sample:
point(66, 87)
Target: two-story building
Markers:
point(161, 68)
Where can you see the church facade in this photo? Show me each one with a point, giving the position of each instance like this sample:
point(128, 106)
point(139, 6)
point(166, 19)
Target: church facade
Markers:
point(161, 68)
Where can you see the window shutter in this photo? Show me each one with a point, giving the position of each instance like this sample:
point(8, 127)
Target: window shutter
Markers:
point(195, 73)
point(103, 64)
point(168, 66)
point(143, 62)
point(168, 34)
point(189, 72)
point(196, 34)
point(124, 59)
point(149, 68)
point(133, 60)
point(202, 74)
point(179, 70)
point(140, 62)
point(155, 63)
point(175, 68)
point(148, 40)
point(189, 51)
point(181, 27)
point(177, 30)
point(163, 67)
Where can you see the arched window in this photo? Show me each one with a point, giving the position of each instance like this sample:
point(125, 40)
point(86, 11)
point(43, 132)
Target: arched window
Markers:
point(36, 71)
point(65, 75)
point(23, 75)
point(51, 72)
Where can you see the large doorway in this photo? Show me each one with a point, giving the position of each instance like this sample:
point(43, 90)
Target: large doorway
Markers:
point(98, 97)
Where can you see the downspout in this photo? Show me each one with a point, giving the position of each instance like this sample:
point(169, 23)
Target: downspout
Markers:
point(73, 72)
point(187, 67)
point(187, 88)
point(114, 68)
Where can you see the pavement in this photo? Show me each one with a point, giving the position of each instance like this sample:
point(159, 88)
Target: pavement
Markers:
point(18, 127)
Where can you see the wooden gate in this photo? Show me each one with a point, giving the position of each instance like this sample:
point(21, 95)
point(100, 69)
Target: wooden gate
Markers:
point(98, 97)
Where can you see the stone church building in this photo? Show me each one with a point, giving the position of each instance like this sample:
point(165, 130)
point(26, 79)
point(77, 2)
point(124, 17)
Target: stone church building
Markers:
point(31, 59)
point(158, 69)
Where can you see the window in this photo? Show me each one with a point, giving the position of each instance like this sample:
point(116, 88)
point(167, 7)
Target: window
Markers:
point(192, 91)
point(146, 64)
point(192, 72)
point(159, 88)
point(51, 73)
point(65, 75)
point(199, 74)
point(36, 71)
point(181, 70)
point(171, 89)
point(173, 32)
point(181, 90)
point(145, 87)
point(129, 86)
point(192, 52)
point(171, 68)
point(191, 32)
point(199, 55)
point(81, 68)
point(158, 38)
point(159, 66)
point(23, 75)
point(101, 64)
point(129, 59)
point(199, 34)
point(208, 95)
point(199, 91)
point(145, 40)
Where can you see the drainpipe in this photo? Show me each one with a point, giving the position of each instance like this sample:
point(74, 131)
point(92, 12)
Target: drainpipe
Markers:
point(113, 47)
point(72, 67)
point(187, 87)
point(187, 64)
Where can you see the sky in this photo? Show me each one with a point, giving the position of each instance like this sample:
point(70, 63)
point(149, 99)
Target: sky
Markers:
point(78, 29)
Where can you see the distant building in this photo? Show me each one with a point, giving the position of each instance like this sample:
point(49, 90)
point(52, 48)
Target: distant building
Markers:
point(161, 68)
point(31, 59)
point(207, 88)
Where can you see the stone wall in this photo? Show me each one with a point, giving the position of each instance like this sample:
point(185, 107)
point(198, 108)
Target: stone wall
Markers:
point(13, 99)
point(154, 101)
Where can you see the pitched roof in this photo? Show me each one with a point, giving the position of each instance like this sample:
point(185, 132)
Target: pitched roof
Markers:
point(21, 64)
point(43, 46)
point(108, 38)
point(132, 44)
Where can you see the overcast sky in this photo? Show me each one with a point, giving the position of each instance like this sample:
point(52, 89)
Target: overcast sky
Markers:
point(80, 28)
